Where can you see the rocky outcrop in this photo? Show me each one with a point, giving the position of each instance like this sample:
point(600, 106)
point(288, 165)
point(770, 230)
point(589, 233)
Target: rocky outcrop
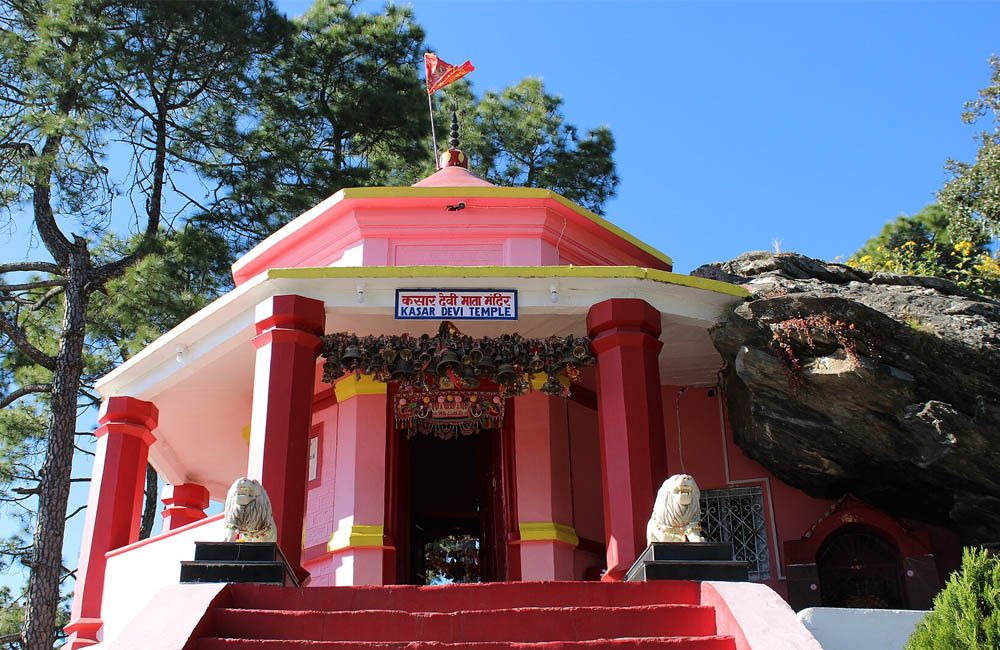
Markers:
point(883, 386)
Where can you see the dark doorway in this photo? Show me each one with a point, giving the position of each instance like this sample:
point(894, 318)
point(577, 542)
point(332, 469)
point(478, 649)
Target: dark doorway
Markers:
point(860, 568)
point(451, 517)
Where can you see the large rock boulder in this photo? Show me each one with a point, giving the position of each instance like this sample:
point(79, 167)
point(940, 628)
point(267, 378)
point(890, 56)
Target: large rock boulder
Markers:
point(883, 386)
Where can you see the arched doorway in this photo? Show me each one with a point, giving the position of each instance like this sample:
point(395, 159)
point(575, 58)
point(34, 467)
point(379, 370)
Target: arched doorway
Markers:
point(858, 567)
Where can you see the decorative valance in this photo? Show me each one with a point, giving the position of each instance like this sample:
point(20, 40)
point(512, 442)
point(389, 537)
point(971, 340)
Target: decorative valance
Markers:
point(447, 413)
point(452, 360)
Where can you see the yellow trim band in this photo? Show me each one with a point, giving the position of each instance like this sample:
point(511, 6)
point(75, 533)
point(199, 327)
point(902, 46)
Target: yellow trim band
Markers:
point(349, 387)
point(358, 535)
point(535, 531)
point(501, 193)
point(245, 432)
point(634, 272)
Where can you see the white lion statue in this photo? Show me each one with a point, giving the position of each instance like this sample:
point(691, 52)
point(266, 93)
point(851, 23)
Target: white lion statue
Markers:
point(248, 513)
point(676, 512)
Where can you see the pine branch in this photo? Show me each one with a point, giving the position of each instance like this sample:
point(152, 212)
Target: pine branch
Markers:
point(49, 295)
point(22, 391)
point(44, 267)
point(38, 284)
point(16, 334)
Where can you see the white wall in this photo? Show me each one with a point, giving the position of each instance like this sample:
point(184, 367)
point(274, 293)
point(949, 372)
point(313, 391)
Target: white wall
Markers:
point(860, 629)
point(134, 576)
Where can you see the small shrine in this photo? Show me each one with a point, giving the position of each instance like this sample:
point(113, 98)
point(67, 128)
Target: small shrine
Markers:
point(449, 382)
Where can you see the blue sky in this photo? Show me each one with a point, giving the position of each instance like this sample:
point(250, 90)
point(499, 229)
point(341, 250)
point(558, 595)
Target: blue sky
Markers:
point(741, 123)
point(737, 123)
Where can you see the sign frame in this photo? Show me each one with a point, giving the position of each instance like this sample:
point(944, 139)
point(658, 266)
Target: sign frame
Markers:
point(396, 304)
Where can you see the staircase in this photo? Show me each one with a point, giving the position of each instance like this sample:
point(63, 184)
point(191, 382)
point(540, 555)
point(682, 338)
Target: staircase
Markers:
point(524, 615)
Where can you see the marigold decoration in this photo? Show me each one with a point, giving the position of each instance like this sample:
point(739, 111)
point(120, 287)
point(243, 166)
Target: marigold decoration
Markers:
point(439, 74)
point(454, 361)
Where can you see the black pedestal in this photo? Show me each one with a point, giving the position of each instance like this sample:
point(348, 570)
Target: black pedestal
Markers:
point(688, 561)
point(260, 562)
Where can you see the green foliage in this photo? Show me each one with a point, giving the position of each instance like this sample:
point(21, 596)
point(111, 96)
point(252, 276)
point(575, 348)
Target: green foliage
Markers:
point(966, 614)
point(926, 228)
point(519, 137)
point(922, 244)
point(972, 195)
point(342, 91)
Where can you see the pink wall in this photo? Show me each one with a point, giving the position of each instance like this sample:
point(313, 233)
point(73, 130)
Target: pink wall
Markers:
point(705, 450)
point(319, 502)
point(588, 499)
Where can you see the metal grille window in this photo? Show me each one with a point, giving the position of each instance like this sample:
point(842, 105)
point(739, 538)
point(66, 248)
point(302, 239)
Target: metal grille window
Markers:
point(737, 515)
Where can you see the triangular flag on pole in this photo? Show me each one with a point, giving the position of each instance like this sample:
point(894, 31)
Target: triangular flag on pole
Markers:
point(440, 74)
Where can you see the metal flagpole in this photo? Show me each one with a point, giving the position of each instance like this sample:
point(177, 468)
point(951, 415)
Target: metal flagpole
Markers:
point(430, 108)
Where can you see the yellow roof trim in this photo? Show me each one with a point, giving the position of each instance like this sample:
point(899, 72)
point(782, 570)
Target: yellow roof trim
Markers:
point(636, 272)
point(501, 192)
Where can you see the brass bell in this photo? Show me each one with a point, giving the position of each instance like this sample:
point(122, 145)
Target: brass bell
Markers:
point(536, 362)
point(476, 355)
point(403, 370)
point(424, 358)
point(449, 361)
point(569, 358)
point(469, 379)
point(351, 353)
point(388, 355)
point(579, 351)
point(506, 374)
point(485, 366)
point(406, 354)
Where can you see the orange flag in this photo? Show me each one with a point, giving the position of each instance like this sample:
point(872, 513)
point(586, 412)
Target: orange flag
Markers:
point(440, 74)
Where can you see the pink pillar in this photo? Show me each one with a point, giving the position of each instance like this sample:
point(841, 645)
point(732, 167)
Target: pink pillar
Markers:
point(114, 506)
point(287, 342)
point(185, 504)
point(544, 490)
point(358, 540)
point(630, 413)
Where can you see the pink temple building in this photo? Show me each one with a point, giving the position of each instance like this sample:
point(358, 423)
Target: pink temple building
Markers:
point(552, 488)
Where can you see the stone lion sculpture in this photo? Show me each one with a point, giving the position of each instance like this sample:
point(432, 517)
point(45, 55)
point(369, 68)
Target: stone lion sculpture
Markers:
point(248, 513)
point(676, 512)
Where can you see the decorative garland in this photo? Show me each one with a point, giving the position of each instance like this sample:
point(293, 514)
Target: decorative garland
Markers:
point(448, 413)
point(453, 360)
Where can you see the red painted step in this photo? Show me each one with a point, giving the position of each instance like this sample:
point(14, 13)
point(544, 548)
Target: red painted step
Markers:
point(496, 616)
point(524, 625)
point(675, 643)
point(450, 598)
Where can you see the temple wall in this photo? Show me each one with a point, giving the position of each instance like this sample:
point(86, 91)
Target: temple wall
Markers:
point(588, 497)
point(319, 502)
point(704, 448)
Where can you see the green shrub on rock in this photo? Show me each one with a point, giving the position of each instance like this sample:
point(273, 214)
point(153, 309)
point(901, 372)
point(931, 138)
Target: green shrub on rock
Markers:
point(966, 614)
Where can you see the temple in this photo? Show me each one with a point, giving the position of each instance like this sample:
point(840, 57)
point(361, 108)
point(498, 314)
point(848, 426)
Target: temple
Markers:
point(391, 459)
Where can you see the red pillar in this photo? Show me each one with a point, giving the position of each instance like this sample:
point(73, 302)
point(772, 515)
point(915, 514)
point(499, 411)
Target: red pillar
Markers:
point(287, 342)
point(630, 413)
point(114, 506)
point(185, 504)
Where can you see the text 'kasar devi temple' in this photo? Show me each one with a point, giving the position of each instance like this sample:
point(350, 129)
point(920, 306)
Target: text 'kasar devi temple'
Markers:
point(455, 382)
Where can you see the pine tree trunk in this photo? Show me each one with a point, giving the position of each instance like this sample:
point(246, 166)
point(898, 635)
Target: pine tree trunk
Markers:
point(149, 510)
point(46, 557)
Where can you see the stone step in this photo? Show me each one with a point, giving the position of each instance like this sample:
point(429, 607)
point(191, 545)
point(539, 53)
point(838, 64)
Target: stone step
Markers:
point(272, 573)
point(521, 625)
point(465, 597)
point(662, 551)
point(237, 552)
point(649, 643)
point(731, 571)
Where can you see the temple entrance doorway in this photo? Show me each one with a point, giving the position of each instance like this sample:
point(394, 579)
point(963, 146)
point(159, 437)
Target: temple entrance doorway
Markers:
point(450, 521)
